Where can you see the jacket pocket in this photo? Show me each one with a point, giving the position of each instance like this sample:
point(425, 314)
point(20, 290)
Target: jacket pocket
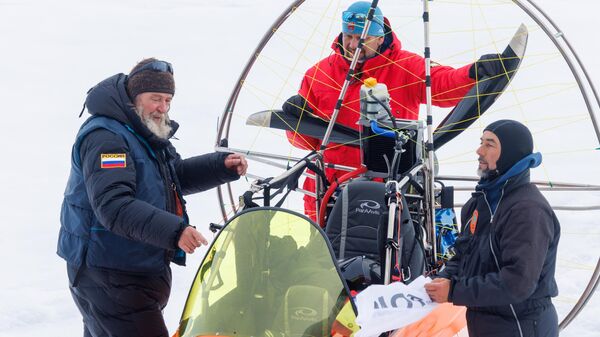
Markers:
point(529, 327)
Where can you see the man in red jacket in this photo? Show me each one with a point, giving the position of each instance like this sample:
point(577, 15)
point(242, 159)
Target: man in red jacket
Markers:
point(381, 57)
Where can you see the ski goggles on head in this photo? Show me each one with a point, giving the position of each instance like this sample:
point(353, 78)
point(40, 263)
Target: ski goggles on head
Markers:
point(352, 16)
point(159, 66)
point(353, 23)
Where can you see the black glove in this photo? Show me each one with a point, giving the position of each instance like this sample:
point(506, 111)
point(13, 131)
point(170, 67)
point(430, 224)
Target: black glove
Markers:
point(488, 65)
point(296, 105)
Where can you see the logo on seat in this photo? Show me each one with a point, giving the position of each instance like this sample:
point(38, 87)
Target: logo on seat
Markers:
point(368, 207)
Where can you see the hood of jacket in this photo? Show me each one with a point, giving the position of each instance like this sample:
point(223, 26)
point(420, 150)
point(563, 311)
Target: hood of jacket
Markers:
point(516, 176)
point(109, 98)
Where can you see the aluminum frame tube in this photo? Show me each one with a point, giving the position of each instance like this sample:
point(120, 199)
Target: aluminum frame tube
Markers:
point(430, 168)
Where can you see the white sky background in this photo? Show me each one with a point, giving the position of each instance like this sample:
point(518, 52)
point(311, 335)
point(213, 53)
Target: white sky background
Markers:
point(54, 51)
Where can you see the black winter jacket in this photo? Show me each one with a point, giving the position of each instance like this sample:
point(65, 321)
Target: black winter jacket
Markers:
point(506, 261)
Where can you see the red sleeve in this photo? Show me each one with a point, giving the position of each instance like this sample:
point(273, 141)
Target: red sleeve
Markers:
point(302, 141)
point(299, 140)
point(449, 85)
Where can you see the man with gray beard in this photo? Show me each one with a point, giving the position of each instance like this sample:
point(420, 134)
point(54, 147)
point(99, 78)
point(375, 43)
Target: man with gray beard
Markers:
point(123, 218)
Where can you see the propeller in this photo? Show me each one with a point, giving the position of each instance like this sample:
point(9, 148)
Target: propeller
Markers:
point(481, 97)
point(308, 125)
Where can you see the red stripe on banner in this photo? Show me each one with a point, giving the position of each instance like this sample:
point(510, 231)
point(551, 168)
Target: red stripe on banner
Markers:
point(112, 164)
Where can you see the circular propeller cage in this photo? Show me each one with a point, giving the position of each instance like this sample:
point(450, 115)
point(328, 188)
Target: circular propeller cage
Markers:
point(552, 94)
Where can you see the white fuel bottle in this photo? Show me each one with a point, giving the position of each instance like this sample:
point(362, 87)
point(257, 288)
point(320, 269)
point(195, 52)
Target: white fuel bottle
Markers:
point(372, 96)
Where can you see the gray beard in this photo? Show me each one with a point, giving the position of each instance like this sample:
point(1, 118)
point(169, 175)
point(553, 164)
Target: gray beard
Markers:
point(161, 130)
point(486, 174)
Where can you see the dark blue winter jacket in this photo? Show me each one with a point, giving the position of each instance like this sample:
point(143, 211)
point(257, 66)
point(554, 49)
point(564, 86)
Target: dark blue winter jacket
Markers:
point(505, 258)
point(125, 217)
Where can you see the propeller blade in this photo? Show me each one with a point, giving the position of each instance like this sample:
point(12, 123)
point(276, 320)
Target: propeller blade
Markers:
point(481, 97)
point(308, 125)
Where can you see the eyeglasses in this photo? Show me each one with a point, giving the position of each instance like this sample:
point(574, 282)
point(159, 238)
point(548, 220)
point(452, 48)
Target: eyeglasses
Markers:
point(160, 66)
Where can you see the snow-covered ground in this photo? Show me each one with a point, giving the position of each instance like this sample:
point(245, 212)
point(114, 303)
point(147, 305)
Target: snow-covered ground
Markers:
point(53, 51)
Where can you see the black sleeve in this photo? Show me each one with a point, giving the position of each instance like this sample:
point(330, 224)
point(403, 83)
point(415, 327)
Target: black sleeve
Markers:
point(523, 244)
point(112, 193)
point(200, 173)
point(296, 106)
point(451, 266)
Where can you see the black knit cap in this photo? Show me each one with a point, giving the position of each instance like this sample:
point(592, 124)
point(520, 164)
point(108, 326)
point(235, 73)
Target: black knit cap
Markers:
point(152, 79)
point(516, 142)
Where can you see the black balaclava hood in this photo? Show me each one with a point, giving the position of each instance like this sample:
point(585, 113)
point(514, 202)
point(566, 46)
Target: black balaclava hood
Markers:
point(516, 143)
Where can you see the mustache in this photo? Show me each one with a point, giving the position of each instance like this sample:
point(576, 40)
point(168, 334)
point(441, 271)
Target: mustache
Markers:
point(353, 51)
point(349, 54)
point(164, 117)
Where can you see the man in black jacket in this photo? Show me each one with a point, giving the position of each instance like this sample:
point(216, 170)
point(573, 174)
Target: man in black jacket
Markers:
point(503, 270)
point(123, 218)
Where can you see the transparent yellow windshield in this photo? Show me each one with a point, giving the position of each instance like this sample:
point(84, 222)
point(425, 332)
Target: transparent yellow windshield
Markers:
point(268, 273)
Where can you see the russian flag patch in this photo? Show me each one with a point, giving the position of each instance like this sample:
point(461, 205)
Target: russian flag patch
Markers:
point(113, 160)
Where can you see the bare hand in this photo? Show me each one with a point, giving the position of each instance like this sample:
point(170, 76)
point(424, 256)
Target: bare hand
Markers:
point(438, 290)
point(237, 163)
point(191, 239)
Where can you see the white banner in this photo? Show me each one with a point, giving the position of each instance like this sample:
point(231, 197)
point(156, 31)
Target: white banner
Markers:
point(384, 308)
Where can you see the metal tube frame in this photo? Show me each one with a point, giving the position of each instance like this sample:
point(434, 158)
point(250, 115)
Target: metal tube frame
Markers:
point(429, 171)
point(393, 208)
point(223, 131)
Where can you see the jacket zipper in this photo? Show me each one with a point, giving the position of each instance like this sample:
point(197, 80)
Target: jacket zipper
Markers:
point(163, 170)
point(512, 308)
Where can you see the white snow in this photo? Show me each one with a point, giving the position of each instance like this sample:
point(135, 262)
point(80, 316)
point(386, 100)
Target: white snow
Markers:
point(54, 51)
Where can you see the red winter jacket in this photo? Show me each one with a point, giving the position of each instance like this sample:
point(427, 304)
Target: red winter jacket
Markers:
point(404, 74)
